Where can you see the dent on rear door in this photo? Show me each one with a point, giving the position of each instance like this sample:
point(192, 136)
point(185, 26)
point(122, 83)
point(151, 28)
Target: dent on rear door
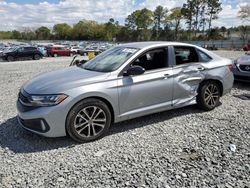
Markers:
point(186, 82)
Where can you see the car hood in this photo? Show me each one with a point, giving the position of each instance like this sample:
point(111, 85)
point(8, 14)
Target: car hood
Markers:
point(62, 80)
point(245, 59)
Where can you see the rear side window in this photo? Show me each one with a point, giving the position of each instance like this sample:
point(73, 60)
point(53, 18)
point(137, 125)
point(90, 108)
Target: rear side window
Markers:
point(203, 56)
point(30, 48)
point(185, 54)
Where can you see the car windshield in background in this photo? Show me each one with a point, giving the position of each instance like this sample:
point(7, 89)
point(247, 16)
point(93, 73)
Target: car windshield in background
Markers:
point(110, 60)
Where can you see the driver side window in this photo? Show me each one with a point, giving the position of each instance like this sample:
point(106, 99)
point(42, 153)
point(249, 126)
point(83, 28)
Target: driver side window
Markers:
point(153, 59)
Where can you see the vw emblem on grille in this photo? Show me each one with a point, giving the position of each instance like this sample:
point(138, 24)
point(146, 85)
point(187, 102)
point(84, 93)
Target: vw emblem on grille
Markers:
point(247, 68)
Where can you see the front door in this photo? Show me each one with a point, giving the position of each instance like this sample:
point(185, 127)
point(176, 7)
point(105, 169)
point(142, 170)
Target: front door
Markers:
point(149, 92)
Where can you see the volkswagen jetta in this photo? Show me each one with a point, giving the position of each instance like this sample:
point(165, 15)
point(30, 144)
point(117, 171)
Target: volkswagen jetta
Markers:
point(125, 82)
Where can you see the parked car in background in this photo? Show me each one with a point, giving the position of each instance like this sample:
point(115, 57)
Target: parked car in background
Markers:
point(42, 50)
point(122, 83)
point(58, 51)
point(15, 53)
point(75, 49)
point(242, 68)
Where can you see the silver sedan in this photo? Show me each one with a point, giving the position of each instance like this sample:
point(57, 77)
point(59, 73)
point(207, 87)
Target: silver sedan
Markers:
point(242, 68)
point(125, 82)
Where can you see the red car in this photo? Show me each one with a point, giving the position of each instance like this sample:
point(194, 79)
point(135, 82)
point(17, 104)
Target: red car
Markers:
point(58, 51)
point(246, 47)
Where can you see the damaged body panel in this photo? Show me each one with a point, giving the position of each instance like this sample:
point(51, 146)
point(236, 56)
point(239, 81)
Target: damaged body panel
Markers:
point(186, 83)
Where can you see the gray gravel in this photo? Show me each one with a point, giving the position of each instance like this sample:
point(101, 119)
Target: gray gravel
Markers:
point(178, 148)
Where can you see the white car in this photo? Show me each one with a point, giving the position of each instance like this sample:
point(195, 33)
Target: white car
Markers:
point(75, 49)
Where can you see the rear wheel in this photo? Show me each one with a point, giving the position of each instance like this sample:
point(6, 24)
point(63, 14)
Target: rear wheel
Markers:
point(10, 58)
point(36, 57)
point(88, 120)
point(209, 95)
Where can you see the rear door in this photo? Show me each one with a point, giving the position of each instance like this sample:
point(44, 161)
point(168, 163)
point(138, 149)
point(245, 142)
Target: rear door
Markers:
point(21, 53)
point(29, 52)
point(188, 73)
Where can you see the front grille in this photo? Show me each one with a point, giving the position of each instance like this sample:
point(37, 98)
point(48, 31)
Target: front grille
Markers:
point(245, 68)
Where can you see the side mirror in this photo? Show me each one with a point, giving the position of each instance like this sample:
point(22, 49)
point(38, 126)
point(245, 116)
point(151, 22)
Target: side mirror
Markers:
point(134, 70)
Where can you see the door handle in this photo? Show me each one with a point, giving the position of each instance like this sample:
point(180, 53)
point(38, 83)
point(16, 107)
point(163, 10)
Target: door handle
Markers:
point(166, 76)
point(200, 68)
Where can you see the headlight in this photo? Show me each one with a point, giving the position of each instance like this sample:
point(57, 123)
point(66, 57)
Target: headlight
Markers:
point(46, 100)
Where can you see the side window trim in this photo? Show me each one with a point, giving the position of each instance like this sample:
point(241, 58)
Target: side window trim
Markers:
point(165, 48)
point(174, 55)
point(198, 51)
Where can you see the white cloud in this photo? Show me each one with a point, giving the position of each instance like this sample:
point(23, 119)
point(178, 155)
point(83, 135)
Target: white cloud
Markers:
point(228, 17)
point(16, 16)
point(70, 11)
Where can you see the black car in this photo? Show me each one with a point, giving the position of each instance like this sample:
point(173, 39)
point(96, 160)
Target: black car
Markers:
point(22, 53)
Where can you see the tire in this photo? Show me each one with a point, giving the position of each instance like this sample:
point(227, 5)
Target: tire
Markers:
point(208, 95)
point(37, 57)
point(10, 58)
point(55, 55)
point(88, 120)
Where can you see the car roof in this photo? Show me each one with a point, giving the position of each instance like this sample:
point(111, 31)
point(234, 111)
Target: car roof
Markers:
point(142, 45)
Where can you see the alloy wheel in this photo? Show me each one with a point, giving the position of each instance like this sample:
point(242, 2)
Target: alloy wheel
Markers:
point(212, 95)
point(90, 121)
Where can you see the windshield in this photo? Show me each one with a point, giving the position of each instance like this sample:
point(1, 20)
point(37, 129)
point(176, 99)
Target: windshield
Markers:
point(110, 60)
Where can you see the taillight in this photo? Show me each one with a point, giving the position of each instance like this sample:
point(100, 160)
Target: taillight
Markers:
point(230, 67)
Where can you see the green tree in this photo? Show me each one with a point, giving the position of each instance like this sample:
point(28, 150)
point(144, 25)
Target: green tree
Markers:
point(88, 30)
point(223, 29)
point(43, 33)
point(62, 31)
point(213, 9)
point(175, 17)
point(111, 29)
point(214, 34)
point(16, 34)
point(6, 34)
point(244, 32)
point(244, 12)
point(188, 13)
point(159, 14)
point(140, 21)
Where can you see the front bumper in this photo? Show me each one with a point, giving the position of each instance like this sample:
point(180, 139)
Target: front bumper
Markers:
point(45, 121)
point(240, 75)
point(37, 125)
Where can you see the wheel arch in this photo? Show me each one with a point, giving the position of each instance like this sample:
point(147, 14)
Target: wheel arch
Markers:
point(104, 100)
point(213, 80)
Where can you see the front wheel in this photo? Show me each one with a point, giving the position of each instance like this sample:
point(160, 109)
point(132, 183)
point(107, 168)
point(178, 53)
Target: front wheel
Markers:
point(88, 120)
point(209, 95)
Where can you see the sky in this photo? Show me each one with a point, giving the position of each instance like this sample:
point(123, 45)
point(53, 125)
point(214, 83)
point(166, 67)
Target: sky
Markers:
point(21, 14)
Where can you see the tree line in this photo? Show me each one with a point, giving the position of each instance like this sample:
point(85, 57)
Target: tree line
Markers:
point(192, 21)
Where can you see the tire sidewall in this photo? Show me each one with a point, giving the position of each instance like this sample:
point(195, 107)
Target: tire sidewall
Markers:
point(78, 107)
point(37, 57)
point(201, 96)
point(10, 58)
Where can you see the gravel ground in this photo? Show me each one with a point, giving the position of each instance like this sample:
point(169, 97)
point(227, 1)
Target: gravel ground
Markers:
point(178, 148)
